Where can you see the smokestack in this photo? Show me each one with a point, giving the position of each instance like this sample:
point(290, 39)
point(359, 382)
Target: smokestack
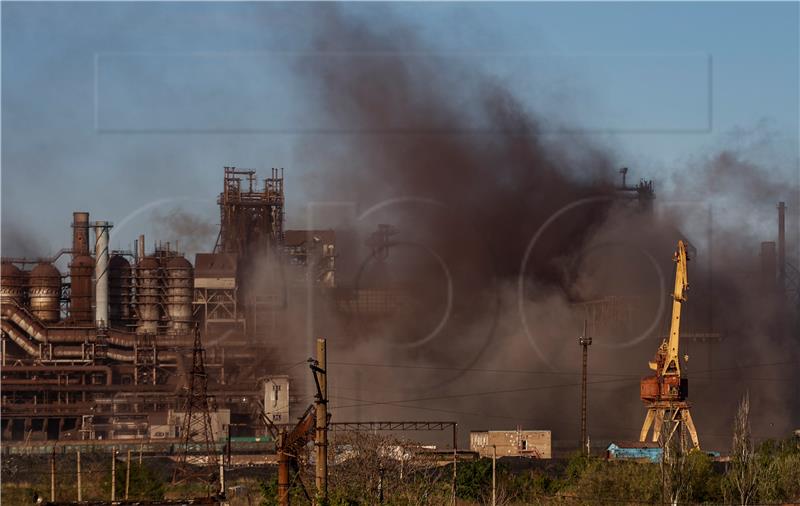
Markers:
point(140, 253)
point(101, 272)
point(768, 267)
point(80, 234)
point(782, 246)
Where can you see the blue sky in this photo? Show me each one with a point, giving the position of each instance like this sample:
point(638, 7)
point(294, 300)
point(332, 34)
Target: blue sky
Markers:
point(109, 107)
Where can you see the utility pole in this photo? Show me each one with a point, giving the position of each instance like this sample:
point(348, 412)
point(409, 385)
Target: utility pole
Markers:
point(222, 475)
point(127, 474)
point(782, 247)
point(228, 446)
point(494, 475)
point(78, 465)
point(283, 471)
point(113, 474)
point(321, 403)
point(584, 341)
point(53, 475)
point(455, 464)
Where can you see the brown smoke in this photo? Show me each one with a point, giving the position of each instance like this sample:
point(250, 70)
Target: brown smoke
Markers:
point(191, 232)
point(478, 178)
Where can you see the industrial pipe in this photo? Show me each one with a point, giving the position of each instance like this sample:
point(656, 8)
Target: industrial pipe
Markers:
point(61, 369)
point(32, 329)
point(18, 338)
point(77, 335)
point(101, 272)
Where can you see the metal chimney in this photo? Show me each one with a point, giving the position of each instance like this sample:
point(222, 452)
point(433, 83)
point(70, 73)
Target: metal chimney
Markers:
point(782, 246)
point(80, 234)
point(101, 272)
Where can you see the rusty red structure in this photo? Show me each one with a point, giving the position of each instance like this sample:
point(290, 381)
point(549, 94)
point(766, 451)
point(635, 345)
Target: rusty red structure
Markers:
point(67, 375)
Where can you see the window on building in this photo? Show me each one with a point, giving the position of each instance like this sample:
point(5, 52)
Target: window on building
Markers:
point(523, 445)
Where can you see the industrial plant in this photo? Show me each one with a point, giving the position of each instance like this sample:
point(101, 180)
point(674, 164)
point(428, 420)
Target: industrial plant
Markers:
point(399, 253)
point(103, 351)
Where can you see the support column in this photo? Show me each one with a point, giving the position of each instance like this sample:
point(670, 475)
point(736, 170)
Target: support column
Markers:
point(53, 476)
point(584, 341)
point(113, 474)
point(283, 472)
point(78, 465)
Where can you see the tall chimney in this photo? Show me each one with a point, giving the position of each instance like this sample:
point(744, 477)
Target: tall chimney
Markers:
point(80, 234)
point(768, 267)
point(101, 272)
point(782, 246)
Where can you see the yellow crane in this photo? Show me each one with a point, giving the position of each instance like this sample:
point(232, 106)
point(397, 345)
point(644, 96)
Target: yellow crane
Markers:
point(665, 392)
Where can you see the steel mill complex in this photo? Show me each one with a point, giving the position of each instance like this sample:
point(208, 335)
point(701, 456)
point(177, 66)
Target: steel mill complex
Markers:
point(104, 350)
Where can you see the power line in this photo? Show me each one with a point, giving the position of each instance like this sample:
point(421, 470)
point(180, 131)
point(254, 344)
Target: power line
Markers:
point(478, 394)
point(545, 373)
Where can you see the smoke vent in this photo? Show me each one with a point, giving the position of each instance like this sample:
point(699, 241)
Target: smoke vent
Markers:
point(80, 234)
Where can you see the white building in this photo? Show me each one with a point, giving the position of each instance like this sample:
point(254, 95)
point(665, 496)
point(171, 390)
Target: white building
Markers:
point(276, 399)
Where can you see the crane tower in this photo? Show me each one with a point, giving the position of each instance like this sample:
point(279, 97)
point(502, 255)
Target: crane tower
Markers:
point(665, 392)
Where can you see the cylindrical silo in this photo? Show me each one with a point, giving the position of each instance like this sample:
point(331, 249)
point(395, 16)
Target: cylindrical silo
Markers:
point(12, 285)
point(119, 290)
point(148, 294)
point(80, 298)
point(80, 234)
point(180, 288)
point(101, 272)
point(45, 292)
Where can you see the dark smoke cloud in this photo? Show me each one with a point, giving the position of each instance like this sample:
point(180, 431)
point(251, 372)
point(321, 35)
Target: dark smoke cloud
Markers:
point(20, 241)
point(416, 125)
point(189, 232)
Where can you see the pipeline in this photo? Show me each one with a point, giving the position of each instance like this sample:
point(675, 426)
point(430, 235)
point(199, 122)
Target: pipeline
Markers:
point(66, 351)
point(21, 340)
point(60, 369)
point(78, 335)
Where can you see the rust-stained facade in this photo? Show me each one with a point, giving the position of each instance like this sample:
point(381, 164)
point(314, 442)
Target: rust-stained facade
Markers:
point(535, 444)
point(67, 375)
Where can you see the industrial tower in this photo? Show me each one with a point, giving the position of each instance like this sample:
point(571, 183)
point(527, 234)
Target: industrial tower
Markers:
point(665, 392)
point(197, 455)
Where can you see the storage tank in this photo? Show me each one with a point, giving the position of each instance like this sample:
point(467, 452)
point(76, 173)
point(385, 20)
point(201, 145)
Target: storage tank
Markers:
point(119, 290)
point(148, 294)
point(12, 285)
point(45, 292)
point(180, 288)
point(80, 298)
